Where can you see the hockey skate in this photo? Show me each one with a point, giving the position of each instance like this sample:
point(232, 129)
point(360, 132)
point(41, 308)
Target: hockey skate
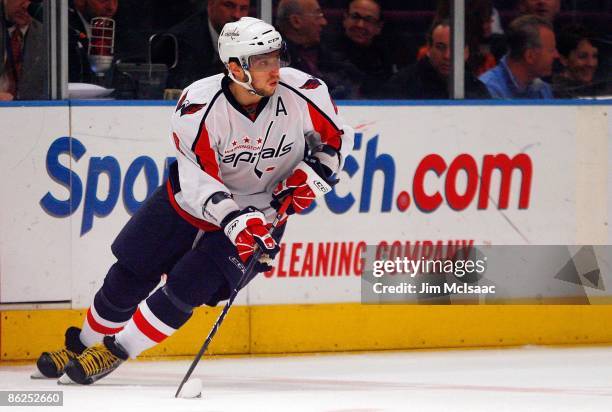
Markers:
point(52, 364)
point(96, 362)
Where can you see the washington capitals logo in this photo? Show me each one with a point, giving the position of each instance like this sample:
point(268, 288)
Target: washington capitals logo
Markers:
point(311, 84)
point(233, 33)
point(187, 108)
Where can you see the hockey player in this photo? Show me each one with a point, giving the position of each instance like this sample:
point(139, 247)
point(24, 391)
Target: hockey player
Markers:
point(245, 140)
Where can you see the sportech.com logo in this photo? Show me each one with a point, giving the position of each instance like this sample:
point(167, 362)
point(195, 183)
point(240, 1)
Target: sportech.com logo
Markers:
point(501, 179)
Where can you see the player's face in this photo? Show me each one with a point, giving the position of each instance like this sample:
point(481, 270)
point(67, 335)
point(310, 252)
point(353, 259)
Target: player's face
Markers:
point(362, 22)
point(547, 9)
point(582, 62)
point(102, 8)
point(545, 56)
point(221, 12)
point(265, 72)
point(17, 12)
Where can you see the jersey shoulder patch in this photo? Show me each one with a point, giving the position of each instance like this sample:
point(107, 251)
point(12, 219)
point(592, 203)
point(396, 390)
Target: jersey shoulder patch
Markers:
point(186, 107)
point(198, 95)
point(300, 80)
point(311, 84)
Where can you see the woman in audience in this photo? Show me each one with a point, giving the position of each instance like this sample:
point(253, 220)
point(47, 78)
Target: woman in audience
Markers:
point(579, 58)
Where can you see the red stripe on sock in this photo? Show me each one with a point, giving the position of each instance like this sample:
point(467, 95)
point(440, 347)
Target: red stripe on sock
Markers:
point(146, 328)
point(97, 327)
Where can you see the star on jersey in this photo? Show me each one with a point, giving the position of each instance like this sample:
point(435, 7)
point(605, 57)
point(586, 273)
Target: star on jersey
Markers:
point(249, 156)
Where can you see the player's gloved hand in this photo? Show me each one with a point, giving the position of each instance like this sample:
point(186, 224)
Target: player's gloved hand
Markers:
point(309, 180)
point(247, 228)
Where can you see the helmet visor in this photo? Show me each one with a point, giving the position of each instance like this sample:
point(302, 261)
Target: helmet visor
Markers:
point(269, 61)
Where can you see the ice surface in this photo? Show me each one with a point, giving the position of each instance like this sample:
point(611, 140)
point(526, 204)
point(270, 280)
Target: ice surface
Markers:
point(524, 379)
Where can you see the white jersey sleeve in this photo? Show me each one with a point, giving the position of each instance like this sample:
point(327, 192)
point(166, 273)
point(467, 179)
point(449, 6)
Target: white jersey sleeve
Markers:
point(324, 125)
point(199, 174)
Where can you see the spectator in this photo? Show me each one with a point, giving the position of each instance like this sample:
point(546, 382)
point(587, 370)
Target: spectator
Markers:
point(361, 45)
point(197, 41)
point(80, 13)
point(531, 53)
point(301, 23)
point(545, 9)
point(478, 33)
point(23, 67)
point(429, 77)
point(579, 58)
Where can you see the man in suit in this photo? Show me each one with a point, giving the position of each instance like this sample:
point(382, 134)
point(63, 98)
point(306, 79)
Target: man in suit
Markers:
point(197, 41)
point(23, 65)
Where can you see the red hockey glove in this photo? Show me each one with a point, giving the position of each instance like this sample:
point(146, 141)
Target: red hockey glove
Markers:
point(309, 180)
point(247, 227)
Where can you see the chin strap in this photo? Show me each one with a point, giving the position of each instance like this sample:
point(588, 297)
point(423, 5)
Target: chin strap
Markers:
point(247, 85)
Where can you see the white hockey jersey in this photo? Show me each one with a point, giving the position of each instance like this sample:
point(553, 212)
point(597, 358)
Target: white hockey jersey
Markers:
point(219, 147)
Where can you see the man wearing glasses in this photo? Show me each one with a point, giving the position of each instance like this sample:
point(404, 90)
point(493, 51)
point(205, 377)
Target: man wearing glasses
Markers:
point(361, 45)
point(301, 23)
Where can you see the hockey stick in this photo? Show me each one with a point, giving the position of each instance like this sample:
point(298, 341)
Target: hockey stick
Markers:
point(246, 275)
